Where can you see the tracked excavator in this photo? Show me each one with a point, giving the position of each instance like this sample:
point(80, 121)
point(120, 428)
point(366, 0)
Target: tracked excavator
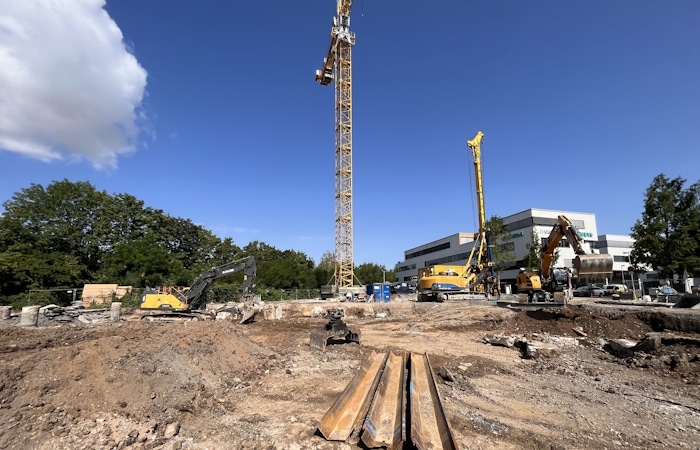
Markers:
point(539, 285)
point(168, 302)
point(477, 279)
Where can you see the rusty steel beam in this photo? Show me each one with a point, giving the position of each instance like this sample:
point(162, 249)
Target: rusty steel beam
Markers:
point(350, 408)
point(429, 426)
point(385, 426)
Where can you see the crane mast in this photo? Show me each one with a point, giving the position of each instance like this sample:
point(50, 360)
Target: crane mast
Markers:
point(337, 66)
point(484, 260)
point(475, 146)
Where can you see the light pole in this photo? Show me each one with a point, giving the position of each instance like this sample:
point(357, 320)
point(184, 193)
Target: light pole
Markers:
point(622, 273)
point(631, 266)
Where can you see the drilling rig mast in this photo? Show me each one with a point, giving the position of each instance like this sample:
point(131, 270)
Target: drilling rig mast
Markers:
point(337, 66)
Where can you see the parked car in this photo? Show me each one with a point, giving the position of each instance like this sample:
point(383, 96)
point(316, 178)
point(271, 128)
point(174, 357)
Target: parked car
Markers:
point(589, 291)
point(668, 295)
point(614, 289)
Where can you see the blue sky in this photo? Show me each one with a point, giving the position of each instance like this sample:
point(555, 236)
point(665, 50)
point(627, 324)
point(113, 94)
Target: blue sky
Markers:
point(209, 110)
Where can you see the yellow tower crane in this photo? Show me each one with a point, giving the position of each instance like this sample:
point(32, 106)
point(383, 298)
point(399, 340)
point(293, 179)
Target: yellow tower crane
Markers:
point(337, 65)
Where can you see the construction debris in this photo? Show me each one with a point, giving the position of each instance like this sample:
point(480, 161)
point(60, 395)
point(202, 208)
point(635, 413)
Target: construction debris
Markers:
point(651, 343)
point(54, 315)
point(579, 331)
point(505, 341)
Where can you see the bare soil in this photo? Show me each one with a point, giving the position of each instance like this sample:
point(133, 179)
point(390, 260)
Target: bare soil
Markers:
point(218, 384)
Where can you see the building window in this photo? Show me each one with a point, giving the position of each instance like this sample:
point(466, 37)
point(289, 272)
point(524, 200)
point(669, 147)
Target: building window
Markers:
point(550, 222)
point(508, 247)
point(621, 258)
point(436, 248)
point(448, 259)
point(520, 224)
point(564, 243)
point(620, 244)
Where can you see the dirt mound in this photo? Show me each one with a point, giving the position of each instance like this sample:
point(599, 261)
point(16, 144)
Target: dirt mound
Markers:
point(603, 324)
point(218, 384)
point(148, 373)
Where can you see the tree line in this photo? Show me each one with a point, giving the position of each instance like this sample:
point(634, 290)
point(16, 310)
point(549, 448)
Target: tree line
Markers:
point(68, 234)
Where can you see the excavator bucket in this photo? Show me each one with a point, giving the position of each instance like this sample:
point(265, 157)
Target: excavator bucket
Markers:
point(251, 307)
point(320, 339)
point(249, 313)
point(594, 266)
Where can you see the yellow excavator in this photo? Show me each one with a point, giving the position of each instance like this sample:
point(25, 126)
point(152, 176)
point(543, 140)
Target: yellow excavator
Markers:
point(539, 285)
point(169, 301)
point(476, 280)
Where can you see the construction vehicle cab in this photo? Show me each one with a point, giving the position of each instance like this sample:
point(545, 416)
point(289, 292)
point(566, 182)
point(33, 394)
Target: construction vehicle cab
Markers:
point(539, 285)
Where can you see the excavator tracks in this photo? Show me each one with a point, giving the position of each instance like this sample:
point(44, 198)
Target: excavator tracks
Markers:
point(392, 400)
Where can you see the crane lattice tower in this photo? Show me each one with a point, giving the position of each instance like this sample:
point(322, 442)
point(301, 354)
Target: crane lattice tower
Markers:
point(338, 66)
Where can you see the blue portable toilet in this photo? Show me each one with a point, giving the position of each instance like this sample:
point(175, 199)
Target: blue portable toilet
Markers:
point(369, 290)
point(386, 292)
point(377, 291)
point(382, 292)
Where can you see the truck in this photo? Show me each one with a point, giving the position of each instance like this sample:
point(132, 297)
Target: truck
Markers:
point(170, 301)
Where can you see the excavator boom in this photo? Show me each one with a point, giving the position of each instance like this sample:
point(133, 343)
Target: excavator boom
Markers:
point(587, 265)
point(591, 266)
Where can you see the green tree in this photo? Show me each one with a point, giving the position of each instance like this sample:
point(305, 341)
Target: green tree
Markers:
point(69, 234)
point(262, 251)
point(144, 262)
point(193, 245)
point(666, 236)
point(532, 259)
point(288, 269)
point(325, 270)
point(60, 220)
point(122, 218)
point(502, 248)
point(369, 273)
point(226, 251)
point(33, 269)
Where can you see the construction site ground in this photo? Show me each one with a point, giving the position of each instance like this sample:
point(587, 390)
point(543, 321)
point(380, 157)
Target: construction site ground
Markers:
point(218, 384)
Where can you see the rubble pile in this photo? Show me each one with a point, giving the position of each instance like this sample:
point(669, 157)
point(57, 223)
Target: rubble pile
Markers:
point(52, 315)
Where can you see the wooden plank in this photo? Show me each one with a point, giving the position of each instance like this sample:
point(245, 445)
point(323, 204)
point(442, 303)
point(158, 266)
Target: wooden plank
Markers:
point(385, 426)
point(429, 426)
point(350, 408)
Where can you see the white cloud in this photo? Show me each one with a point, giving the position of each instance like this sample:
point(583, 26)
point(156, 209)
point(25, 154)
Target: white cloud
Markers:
point(69, 88)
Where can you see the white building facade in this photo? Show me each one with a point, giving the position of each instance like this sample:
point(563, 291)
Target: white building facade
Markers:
point(620, 247)
point(455, 249)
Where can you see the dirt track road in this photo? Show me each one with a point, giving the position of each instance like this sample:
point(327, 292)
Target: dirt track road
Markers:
point(218, 384)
